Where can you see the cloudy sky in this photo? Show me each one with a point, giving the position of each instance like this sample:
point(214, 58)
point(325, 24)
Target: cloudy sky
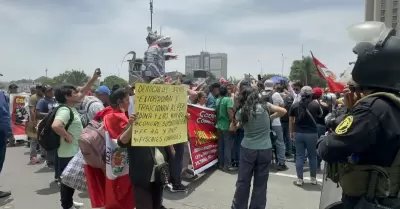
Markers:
point(86, 34)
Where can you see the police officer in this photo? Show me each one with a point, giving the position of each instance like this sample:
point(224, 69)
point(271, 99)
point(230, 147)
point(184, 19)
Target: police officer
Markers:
point(362, 152)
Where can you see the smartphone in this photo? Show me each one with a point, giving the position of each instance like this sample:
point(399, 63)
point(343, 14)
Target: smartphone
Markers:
point(98, 71)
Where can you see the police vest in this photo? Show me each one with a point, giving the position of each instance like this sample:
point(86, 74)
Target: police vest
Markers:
point(356, 179)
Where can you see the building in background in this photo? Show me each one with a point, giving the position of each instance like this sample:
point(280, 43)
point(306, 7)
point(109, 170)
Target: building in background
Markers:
point(384, 11)
point(215, 63)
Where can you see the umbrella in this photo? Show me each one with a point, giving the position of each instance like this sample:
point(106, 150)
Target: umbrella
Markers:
point(277, 79)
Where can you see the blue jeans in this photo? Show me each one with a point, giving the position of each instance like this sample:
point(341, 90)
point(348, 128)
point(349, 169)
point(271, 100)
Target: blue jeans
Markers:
point(321, 131)
point(238, 144)
point(177, 163)
point(280, 144)
point(225, 145)
point(306, 142)
point(286, 138)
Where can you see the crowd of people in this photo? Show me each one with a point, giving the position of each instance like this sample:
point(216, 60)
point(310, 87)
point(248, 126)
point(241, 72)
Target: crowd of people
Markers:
point(258, 123)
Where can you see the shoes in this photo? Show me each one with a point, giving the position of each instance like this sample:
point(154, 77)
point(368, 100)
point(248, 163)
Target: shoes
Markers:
point(177, 188)
point(230, 168)
point(4, 194)
point(314, 181)
point(78, 205)
point(34, 160)
point(282, 167)
point(299, 182)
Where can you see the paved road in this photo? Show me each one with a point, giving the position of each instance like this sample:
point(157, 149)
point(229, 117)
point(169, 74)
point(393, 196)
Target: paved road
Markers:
point(31, 188)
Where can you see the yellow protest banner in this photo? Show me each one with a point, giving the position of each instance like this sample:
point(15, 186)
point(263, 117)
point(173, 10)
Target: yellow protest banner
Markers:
point(161, 111)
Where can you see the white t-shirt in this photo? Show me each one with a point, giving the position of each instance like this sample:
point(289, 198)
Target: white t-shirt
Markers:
point(277, 100)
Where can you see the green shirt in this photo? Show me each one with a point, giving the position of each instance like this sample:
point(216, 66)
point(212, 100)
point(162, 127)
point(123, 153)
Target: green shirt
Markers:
point(69, 149)
point(223, 104)
point(257, 129)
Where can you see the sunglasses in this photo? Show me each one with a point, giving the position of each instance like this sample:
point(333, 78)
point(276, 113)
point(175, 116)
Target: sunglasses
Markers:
point(296, 89)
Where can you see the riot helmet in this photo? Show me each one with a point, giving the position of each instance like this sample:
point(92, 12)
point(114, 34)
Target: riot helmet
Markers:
point(378, 51)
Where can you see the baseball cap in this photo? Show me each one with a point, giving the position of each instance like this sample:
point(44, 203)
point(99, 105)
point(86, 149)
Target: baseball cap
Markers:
point(317, 92)
point(103, 90)
point(306, 90)
point(269, 85)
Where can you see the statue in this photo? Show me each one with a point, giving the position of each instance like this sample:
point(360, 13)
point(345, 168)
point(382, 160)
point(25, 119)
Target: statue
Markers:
point(153, 64)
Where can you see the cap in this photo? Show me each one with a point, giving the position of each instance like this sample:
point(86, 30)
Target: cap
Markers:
point(317, 92)
point(269, 85)
point(47, 87)
point(103, 90)
point(306, 90)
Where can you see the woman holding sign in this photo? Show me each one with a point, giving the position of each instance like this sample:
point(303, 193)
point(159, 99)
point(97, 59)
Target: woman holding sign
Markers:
point(256, 148)
point(146, 170)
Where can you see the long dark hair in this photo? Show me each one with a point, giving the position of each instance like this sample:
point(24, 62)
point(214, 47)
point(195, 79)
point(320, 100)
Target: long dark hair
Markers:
point(248, 100)
point(306, 99)
point(117, 96)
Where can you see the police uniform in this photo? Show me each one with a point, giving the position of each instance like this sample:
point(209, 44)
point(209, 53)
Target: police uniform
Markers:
point(369, 132)
point(362, 153)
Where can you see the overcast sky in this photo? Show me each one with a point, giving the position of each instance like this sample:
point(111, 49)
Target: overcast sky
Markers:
point(86, 34)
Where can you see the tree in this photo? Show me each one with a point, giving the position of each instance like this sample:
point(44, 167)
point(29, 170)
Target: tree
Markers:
point(77, 77)
point(47, 81)
point(110, 81)
point(306, 72)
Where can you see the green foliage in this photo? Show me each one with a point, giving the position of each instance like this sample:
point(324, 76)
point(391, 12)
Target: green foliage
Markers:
point(46, 81)
point(305, 71)
point(110, 81)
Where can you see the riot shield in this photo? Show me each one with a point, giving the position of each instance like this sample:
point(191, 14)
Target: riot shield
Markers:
point(331, 195)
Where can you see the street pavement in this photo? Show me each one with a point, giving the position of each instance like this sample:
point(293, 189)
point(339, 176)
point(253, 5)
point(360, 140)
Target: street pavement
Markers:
point(31, 188)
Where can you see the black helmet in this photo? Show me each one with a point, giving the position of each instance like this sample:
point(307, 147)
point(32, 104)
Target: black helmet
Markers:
point(378, 52)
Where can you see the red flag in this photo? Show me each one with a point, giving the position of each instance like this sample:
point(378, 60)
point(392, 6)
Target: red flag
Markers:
point(329, 76)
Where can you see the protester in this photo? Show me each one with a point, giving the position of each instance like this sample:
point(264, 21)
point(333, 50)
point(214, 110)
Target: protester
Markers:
point(69, 96)
point(256, 148)
point(295, 91)
point(201, 99)
point(114, 120)
point(5, 133)
point(142, 163)
point(277, 100)
point(43, 107)
point(103, 93)
point(32, 123)
point(213, 95)
point(320, 120)
point(225, 121)
point(304, 132)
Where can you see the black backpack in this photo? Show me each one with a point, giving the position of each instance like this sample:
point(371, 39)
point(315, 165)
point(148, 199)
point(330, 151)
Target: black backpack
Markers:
point(288, 101)
point(49, 139)
point(266, 96)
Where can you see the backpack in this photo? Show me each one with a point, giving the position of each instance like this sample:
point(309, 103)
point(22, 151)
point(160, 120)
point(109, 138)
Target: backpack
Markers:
point(83, 112)
point(92, 144)
point(266, 96)
point(47, 137)
point(287, 101)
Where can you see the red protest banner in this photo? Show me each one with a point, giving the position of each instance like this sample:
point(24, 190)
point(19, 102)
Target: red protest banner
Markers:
point(203, 144)
point(19, 114)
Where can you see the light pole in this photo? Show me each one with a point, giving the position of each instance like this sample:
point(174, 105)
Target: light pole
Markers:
point(151, 14)
point(261, 66)
point(283, 63)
